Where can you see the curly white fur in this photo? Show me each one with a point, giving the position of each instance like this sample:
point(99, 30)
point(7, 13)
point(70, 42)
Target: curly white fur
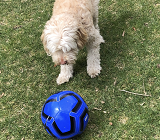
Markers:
point(73, 24)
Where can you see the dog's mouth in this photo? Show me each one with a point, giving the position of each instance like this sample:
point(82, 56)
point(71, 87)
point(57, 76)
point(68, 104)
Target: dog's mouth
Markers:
point(62, 63)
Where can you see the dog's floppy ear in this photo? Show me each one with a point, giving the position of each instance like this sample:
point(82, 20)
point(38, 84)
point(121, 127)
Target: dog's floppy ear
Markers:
point(82, 37)
point(42, 38)
point(44, 43)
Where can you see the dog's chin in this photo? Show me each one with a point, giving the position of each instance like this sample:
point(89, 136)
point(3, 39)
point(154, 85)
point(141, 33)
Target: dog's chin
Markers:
point(71, 62)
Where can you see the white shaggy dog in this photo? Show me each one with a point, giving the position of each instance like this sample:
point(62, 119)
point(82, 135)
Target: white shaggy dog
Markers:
point(74, 23)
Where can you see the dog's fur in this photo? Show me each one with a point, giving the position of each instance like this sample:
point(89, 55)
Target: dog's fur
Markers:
point(74, 23)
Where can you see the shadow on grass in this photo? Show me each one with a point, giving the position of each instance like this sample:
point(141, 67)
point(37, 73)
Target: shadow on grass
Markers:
point(116, 43)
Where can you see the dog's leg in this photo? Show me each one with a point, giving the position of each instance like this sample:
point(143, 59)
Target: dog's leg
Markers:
point(93, 56)
point(65, 74)
point(95, 14)
point(95, 20)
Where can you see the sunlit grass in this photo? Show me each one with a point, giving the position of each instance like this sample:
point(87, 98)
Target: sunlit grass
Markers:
point(130, 61)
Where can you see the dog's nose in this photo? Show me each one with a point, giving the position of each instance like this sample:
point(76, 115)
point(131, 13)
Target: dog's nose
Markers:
point(64, 62)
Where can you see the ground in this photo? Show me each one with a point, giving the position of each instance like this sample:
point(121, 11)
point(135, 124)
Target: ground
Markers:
point(130, 60)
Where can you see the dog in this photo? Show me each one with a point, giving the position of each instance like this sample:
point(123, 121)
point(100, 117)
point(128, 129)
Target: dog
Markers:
point(73, 25)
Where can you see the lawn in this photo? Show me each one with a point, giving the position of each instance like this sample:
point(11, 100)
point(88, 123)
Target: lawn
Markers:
point(123, 101)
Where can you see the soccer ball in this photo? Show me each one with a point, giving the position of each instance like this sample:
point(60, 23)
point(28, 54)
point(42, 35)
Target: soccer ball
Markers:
point(65, 115)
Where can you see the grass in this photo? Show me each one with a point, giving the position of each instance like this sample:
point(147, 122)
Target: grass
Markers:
point(130, 62)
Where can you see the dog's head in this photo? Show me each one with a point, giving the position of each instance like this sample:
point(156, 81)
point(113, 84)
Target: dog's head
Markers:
point(63, 39)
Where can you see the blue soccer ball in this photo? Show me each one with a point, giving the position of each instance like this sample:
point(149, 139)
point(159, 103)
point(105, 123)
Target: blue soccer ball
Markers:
point(65, 115)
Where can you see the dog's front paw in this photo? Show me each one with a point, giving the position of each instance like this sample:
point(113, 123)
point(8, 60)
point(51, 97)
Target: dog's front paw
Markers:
point(93, 71)
point(65, 74)
point(62, 79)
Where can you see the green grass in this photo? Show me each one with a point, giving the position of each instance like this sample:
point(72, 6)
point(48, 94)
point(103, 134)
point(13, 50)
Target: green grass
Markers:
point(129, 62)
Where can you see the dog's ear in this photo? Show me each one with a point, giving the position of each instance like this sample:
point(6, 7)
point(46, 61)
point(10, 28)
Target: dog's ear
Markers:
point(82, 37)
point(43, 40)
point(42, 37)
point(44, 43)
